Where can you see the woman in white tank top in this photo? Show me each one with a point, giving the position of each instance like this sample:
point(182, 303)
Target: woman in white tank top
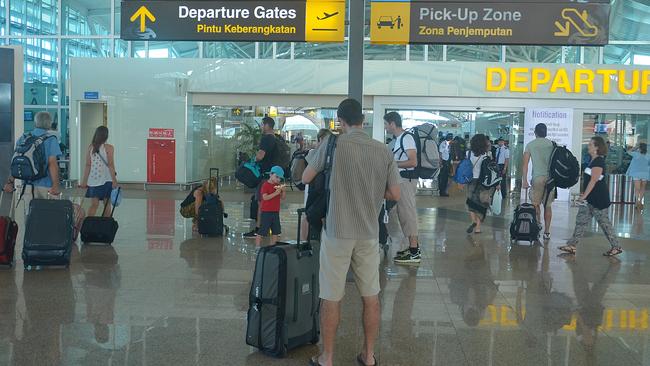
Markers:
point(99, 176)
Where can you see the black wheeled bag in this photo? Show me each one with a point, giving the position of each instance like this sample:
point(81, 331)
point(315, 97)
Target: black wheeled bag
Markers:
point(524, 226)
point(284, 306)
point(48, 233)
point(100, 230)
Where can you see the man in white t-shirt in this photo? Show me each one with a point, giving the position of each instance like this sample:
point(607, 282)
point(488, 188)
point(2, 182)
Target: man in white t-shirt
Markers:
point(405, 154)
point(503, 160)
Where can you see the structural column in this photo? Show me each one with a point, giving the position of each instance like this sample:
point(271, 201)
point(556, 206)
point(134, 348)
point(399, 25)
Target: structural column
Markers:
point(355, 49)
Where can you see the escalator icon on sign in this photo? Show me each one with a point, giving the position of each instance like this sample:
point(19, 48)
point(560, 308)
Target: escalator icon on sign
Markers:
point(572, 18)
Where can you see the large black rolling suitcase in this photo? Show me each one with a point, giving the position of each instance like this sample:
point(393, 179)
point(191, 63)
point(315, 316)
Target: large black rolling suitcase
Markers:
point(211, 213)
point(48, 233)
point(99, 229)
point(283, 303)
point(524, 226)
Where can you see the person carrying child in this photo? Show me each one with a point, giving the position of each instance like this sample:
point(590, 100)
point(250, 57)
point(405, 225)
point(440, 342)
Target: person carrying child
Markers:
point(272, 192)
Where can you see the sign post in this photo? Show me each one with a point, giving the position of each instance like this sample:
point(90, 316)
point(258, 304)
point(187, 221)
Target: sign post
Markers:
point(237, 20)
point(526, 22)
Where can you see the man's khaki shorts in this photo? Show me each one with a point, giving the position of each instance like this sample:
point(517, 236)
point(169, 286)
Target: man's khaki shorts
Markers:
point(337, 256)
point(538, 192)
point(406, 207)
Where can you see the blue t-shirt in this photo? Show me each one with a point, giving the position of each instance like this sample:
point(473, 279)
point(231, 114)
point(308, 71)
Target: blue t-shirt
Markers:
point(52, 149)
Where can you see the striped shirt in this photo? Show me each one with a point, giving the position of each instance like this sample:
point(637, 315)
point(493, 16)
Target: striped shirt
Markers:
point(362, 169)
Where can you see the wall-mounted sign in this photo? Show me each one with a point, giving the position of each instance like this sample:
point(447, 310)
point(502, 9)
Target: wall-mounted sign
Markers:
point(161, 133)
point(91, 95)
point(251, 20)
point(489, 22)
point(567, 80)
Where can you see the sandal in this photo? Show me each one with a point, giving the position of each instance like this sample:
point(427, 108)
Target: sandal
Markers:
point(362, 363)
point(613, 252)
point(471, 228)
point(570, 249)
point(314, 361)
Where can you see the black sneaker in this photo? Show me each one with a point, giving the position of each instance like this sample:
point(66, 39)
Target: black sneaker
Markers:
point(250, 234)
point(409, 258)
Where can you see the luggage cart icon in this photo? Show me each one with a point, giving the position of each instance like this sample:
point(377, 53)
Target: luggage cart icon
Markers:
point(388, 21)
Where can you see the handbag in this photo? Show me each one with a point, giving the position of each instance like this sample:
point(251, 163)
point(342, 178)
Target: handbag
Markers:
point(497, 199)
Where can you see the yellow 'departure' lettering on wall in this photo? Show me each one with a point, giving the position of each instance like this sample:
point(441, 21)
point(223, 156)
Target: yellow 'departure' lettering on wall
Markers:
point(613, 319)
point(579, 81)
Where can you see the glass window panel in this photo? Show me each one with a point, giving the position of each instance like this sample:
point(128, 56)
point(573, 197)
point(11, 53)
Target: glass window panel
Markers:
point(416, 52)
point(474, 53)
point(321, 51)
point(591, 55)
point(435, 52)
point(229, 49)
point(543, 54)
point(87, 18)
point(283, 50)
point(266, 49)
point(33, 17)
point(384, 52)
point(3, 18)
point(629, 21)
point(627, 54)
point(41, 59)
point(121, 48)
point(138, 49)
point(173, 49)
point(571, 54)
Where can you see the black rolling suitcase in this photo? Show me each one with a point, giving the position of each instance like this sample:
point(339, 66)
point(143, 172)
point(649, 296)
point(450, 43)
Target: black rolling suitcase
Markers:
point(102, 230)
point(48, 233)
point(524, 226)
point(283, 303)
point(211, 213)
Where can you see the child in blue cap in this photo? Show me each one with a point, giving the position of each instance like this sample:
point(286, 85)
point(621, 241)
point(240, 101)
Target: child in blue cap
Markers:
point(273, 192)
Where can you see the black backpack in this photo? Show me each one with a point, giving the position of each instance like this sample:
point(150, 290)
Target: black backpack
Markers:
point(490, 175)
point(29, 162)
point(564, 170)
point(282, 156)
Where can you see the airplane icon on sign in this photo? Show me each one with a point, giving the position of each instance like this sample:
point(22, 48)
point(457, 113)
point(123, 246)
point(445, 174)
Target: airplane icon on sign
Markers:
point(327, 16)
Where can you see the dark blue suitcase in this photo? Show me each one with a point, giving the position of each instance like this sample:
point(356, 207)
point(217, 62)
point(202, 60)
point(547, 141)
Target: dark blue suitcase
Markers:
point(48, 233)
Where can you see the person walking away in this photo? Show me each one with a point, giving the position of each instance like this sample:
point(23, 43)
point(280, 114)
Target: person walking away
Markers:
point(445, 167)
point(48, 186)
point(539, 152)
point(272, 193)
point(594, 201)
point(503, 160)
point(314, 195)
point(639, 171)
point(479, 198)
point(405, 154)
point(364, 173)
point(191, 205)
point(99, 175)
point(265, 156)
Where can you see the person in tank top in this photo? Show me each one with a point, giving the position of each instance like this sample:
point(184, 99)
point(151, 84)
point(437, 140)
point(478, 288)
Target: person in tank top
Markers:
point(99, 175)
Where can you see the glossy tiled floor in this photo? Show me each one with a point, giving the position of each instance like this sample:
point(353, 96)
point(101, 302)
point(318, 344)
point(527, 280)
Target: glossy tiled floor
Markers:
point(161, 296)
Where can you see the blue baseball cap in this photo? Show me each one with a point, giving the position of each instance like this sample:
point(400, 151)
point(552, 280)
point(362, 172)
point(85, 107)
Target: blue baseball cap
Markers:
point(278, 171)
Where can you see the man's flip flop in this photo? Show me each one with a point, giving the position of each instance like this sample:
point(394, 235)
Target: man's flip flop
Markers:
point(471, 228)
point(361, 363)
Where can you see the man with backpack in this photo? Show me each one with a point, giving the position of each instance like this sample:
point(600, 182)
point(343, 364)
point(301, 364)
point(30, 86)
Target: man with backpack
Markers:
point(405, 153)
point(539, 151)
point(35, 161)
point(502, 158)
point(266, 158)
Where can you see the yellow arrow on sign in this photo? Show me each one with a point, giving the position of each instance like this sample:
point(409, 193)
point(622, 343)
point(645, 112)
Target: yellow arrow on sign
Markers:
point(143, 13)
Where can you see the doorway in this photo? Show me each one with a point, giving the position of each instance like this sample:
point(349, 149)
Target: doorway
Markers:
point(91, 116)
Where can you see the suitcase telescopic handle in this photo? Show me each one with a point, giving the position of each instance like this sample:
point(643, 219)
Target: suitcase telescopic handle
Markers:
point(303, 249)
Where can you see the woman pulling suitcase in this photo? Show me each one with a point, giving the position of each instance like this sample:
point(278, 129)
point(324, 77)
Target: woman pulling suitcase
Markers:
point(99, 175)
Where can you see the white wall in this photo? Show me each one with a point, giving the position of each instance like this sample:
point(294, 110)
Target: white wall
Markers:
point(144, 93)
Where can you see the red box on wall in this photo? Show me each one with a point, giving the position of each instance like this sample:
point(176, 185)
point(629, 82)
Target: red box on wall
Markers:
point(161, 161)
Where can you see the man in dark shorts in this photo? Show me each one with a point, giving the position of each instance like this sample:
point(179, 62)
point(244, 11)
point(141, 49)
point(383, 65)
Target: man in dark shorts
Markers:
point(265, 157)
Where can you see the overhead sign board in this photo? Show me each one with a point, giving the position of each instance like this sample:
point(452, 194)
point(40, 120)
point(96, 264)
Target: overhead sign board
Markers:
point(249, 20)
point(463, 22)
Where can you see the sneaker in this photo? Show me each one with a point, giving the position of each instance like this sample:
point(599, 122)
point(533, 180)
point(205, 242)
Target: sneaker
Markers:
point(409, 258)
point(401, 253)
point(251, 234)
point(547, 236)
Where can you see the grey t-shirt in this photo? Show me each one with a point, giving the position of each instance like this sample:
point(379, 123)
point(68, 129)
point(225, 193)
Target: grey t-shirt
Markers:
point(540, 150)
point(362, 170)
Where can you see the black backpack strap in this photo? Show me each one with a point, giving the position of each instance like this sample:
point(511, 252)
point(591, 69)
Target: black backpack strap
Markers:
point(329, 160)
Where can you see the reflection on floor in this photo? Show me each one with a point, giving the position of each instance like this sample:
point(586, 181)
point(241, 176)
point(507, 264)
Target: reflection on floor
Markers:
point(162, 296)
